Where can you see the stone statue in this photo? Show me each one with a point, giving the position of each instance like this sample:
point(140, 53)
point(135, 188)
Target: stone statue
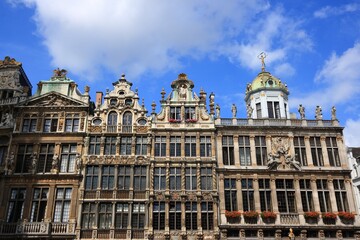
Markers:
point(217, 111)
point(212, 97)
point(78, 162)
point(60, 73)
point(233, 110)
point(182, 91)
point(249, 110)
point(6, 119)
point(55, 162)
point(318, 113)
point(301, 110)
point(333, 113)
point(10, 163)
point(248, 87)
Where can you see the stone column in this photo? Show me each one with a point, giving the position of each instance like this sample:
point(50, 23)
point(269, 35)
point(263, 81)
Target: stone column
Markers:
point(197, 144)
point(349, 195)
point(273, 194)
point(222, 199)
point(342, 152)
point(239, 193)
point(315, 193)
point(167, 208)
point(236, 150)
point(332, 194)
point(182, 145)
point(308, 151)
point(219, 153)
point(50, 203)
point(256, 193)
point(299, 200)
point(213, 146)
point(168, 145)
point(324, 151)
point(253, 151)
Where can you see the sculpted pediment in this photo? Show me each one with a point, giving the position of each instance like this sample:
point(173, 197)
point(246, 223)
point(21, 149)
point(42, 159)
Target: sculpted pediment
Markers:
point(54, 99)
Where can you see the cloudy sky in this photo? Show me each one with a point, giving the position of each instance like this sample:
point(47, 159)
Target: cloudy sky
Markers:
point(313, 46)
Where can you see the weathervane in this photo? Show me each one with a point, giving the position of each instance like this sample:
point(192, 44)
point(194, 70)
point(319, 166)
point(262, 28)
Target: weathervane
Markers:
point(262, 56)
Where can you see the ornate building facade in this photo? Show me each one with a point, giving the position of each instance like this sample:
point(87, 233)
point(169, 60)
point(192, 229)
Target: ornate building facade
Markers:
point(76, 169)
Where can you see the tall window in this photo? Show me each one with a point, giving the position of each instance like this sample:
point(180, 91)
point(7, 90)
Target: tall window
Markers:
point(29, 125)
point(191, 215)
point(159, 216)
point(175, 215)
point(244, 151)
point(205, 146)
point(175, 178)
point(190, 146)
point(300, 150)
point(333, 151)
point(160, 146)
point(38, 205)
point(207, 216)
point(121, 215)
point(23, 159)
point(341, 196)
point(107, 177)
point(323, 192)
point(316, 152)
point(45, 158)
point(230, 194)
point(140, 178)
point(265, 195)
point(175, 113)
point(190, 113)
point(16, 205)
point(112, 122)
point(206, 178)
point(50, 123)
point(68, 155)
point(3, 151)
point(94, 147)
point(138, 216)
point(258, 110)
point(141, 145)
point(125, 148)
point(228, 150)
point(72, 123)
point(127, 122)
point(286, 195)
point(190, 178)
point(260, 148)
point(306, 195)
point(273, 109)
point(110, 146)
point(91, 178)
point(175, 146)
point(159, 178)
point(105, 215)
point(62, 204)
point(124, 177)
point(88, 219)
point(247, 194)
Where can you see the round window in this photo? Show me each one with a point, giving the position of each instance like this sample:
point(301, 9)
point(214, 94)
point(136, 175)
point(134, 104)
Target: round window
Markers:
point(142, 122)
point(97, 122)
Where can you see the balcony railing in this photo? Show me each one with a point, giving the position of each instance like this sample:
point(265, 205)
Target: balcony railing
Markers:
point(289, 218)
point(275, 122)
point(37, 228)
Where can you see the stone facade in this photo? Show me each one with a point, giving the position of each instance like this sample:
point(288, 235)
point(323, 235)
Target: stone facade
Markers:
point(74, 169)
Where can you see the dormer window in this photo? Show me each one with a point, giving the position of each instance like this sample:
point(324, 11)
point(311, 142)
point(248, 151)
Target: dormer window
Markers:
point(128, 102)
point(273, 109)
point(190, 113)
point(97, 122)
point(175, 113)
point(113, 102)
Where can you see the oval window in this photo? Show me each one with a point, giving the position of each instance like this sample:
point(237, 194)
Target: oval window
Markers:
point(97, 122)
point(142, 122)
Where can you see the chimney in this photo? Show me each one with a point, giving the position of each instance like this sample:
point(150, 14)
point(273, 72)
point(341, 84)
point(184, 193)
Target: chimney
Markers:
point(99, 96)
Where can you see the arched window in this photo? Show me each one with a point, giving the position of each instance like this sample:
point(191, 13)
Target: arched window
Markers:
point(127, 122)
point(112, 122)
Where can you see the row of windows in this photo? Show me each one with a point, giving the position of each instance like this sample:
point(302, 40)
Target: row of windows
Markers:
point(261, 151)
point(110, 145)
point(25, 155)
point(285, 192)
point(124, 177)
point(175, 113)
point(189, 146)
point(15, 208)
point(50, 124)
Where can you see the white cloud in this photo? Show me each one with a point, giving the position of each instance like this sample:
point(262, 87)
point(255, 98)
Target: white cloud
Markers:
point(352, 133)
point(87, 36)
point(338, 82)
point(329, 11)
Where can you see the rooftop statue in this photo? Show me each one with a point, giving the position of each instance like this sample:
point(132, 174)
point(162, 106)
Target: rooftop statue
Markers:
point(301, 110)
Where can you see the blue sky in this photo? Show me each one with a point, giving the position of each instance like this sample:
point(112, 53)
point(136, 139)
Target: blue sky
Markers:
point(312, 46)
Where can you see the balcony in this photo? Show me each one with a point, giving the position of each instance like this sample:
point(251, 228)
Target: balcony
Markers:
point(289, 218)
point(37, 229)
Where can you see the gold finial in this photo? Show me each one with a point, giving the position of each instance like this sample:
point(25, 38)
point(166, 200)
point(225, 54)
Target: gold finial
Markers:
point(262, 56)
